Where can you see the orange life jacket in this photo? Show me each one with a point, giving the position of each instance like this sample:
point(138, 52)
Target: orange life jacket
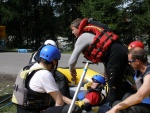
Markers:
point(102, 40)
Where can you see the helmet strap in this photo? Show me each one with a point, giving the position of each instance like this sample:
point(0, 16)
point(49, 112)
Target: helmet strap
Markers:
point(55, 68)
point(99, 88)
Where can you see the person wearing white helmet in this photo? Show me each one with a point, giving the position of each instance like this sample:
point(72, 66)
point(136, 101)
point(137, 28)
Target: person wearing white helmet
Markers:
point(35, 56)
point(50, 42)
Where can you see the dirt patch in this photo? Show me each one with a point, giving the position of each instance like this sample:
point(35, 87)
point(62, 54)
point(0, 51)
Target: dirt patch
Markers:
point(7, 77)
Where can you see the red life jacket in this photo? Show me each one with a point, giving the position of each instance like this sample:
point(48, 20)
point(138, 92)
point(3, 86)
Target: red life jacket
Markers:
point(102, 40)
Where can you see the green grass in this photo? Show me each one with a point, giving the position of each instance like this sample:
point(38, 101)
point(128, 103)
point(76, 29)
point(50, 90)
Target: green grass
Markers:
point(6, 89)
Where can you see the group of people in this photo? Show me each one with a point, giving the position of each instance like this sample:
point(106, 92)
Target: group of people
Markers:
point(102, 45)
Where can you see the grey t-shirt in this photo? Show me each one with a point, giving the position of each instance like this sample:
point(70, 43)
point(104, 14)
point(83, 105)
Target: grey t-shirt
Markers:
point(83, 42)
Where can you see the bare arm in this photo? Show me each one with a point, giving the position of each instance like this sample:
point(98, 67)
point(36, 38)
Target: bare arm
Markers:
point(85, 100)
point(136, 98)
point(57, 96)
point(68, 100)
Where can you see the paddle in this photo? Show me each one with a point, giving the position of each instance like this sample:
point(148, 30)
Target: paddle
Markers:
point(79, 85)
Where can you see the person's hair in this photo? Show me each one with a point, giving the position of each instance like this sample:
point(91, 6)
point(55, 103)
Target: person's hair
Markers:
point(138, 53)
point(75, 23)
point(44, 61)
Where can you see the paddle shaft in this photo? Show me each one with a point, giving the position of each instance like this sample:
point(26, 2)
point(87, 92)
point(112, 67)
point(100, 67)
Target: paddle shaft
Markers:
point(78, 87)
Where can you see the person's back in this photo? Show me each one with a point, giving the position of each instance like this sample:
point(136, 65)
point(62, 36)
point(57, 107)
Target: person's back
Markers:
point(43, 82)
point(60, 78)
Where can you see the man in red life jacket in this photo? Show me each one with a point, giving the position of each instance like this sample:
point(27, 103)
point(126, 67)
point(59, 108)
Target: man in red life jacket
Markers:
point(99, 44)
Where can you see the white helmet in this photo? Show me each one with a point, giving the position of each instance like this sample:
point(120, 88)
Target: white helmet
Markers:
point(50, 42)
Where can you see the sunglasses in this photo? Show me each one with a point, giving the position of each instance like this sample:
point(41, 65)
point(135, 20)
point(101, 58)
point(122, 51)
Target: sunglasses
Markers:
point(130, 61)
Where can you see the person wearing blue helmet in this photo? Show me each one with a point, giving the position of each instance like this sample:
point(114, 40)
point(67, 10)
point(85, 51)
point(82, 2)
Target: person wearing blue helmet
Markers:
point(35, 57)
point(42, 87)
point(59, 77)
point(92, 95)
point(99, 79)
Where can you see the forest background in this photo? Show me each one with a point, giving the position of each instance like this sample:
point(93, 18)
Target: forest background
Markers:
point(30, 22)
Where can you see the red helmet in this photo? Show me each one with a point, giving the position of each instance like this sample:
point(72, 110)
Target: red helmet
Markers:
point(136, 44)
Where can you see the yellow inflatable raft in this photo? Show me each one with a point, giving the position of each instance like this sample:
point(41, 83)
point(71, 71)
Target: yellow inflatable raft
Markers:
point(89, 74)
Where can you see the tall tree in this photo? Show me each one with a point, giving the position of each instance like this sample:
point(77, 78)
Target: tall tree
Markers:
point(105, 11)
point(66, 11)
point(128, 18)
point(136, 22)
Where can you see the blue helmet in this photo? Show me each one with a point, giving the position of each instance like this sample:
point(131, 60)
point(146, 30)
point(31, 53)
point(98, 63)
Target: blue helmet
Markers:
point(50, 53)
point(99, 79)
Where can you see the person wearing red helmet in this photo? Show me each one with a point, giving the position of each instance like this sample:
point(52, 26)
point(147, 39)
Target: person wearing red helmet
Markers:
point(136, 44)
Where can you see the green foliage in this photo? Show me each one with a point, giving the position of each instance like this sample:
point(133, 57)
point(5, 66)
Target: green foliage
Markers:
point(129, 22)
point(103, 10)
point(8, 15)
point(30, 22)
point(138, 25)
